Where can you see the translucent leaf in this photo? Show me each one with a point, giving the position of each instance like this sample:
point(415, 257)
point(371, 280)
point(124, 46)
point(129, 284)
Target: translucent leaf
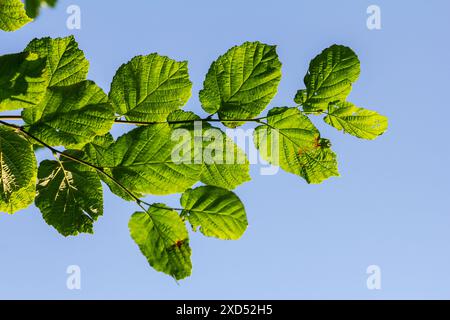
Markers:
point(163, 239)
point(70, 116)
point(291, 141)
point(329, 78)
point(98, 152)
point(22, 80)
point(12, 15)
point(150, 160)
point(17, 171)
point(224, 163)
point(66, 63)
point(358, 122)
point(148, 88)
point(69, 196)
point(242, 82)
point(218, 212)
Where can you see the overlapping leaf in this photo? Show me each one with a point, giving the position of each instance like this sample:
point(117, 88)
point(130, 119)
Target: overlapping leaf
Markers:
point(150, 160)
point(71, 115)
point(217, 211)
point(241, 83)
point(23, 80)
point(17, 171)
point(66, 63)
point(69, 196)
point(359, 122)
point(291, 141)
point(98, 153)
point(150, 87)
point(225, 164)
point(12, 15)
point(163, 239)
point(329, 78)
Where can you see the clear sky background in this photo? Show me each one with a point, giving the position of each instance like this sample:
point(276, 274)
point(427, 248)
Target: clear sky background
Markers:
point(389, 208)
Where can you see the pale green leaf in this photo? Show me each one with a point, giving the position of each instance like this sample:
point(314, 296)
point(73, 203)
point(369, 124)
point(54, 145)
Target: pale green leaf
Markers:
point(70, 116)
point(17, 171)
point(150, 87)
point(358, 122)
point(66, 63)
point(218, 212)
point(291, 141)
point(98, 153)
point(151, 160)
point(242, 82)
point(22, 80)
point(12, 15)
point(225, 164)
point(163, 239)
point(329, 78)
point(69, 196)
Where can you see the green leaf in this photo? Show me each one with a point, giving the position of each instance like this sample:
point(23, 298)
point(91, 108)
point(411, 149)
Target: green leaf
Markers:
point(358, 122)
point(218, 212)
point(242, 82)
point(98, 153)
point(224, 163)
point(163, 239)
point(149, 160)
point(22, 80)
point(69, 196)
point(70, 116)
point(12, 15)
point(65, 62)
point(17, 171)
point(329, 78)
point(33, 6)
point(291, 141)
point(150, 87)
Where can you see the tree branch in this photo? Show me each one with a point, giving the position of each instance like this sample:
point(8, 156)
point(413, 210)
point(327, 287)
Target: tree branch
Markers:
point(80, 161)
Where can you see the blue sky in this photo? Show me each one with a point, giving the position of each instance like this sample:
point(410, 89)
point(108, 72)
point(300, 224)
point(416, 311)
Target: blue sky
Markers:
point(389, 208)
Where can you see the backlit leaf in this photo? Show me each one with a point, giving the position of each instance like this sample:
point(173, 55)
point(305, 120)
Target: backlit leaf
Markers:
point(148, 88)
point(69, 196)
point(218, 212)
point(12, 15)
point(291, 141)
point(17, 171)
point(329, 78)
point(242, 82)
point(163, 239)
point(358, 122)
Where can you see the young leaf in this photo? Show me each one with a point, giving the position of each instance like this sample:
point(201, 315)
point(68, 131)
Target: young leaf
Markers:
point(218, 212)
point(242, 82)
point(12, 15)
point(329, 78)
point(291, 141)
point(65, 62)
point(70, 116)
point(224, 163)
point(163, 239)
point(148, 88)
point(22, 80)
point(17, 171)
point(358, 122)
point(146, 160)
point(69, 196)
point(33, 7)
